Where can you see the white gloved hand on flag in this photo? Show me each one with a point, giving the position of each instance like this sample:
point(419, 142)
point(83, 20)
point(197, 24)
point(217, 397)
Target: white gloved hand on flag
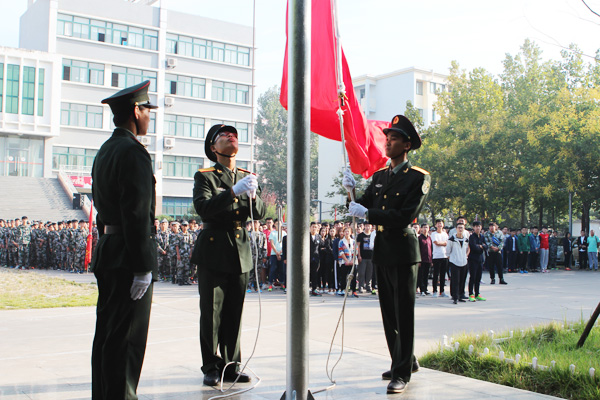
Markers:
point(348, 181)
point(356, 210)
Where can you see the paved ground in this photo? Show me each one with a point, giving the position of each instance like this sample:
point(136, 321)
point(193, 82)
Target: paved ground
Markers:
point(45, 354)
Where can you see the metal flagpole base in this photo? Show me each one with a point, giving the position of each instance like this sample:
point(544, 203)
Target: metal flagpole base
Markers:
point(308, 397)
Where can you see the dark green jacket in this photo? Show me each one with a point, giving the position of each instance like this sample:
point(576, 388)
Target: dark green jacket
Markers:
point(221, 246)
point(392, 205)
point(123, 187)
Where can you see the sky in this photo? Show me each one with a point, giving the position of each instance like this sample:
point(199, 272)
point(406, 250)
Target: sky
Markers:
point(380, 36)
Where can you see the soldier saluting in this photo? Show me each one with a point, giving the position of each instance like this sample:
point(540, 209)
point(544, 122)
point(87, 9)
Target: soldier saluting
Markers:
point(125, 259)
point(223, 195)
point(392, 201)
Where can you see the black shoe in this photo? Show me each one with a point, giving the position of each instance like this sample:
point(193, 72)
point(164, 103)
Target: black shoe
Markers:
point(503, 282)
point(455, 302)
point(415, 366)
point(396, 386)
point(387, 375)
point(493, 282)
point(232, 376)
point(212, 378)
point(461, 300)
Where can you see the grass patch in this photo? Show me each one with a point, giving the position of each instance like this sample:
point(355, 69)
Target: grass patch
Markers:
point(27, 289)
point(552, 342)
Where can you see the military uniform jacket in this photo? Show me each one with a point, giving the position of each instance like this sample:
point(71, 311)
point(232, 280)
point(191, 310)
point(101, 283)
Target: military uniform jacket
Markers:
point(221, 245)
point(123, 188)
point(393, 203)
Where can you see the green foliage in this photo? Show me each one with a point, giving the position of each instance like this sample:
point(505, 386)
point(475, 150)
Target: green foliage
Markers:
point(272, 145)
point(552, 342)
point(510, 149)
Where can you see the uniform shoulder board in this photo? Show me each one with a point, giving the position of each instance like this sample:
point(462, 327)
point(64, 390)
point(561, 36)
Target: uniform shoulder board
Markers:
point(421, 170)
point(381, 169)
point(206, 169)
point(244, 170)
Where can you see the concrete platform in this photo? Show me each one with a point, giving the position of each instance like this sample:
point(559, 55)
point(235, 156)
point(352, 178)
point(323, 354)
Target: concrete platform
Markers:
point(45, 354)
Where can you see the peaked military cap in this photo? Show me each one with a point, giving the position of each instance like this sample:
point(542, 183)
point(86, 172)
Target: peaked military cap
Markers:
point(136, 95)
point(402, 125)
point(211, 138)
point(164, 220)
point(184, 223)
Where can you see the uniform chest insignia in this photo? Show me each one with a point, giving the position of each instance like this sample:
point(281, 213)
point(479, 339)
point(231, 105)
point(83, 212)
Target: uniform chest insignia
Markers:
point(378, 185)
point(425, 187)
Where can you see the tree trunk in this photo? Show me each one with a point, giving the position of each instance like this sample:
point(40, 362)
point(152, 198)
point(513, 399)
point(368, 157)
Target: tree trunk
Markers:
point(541, 220)
point(585, 216)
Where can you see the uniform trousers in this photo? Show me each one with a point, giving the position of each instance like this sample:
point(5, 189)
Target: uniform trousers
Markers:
point(221, 304)
point(397, 302)
point(494, 262)
point(120, 339)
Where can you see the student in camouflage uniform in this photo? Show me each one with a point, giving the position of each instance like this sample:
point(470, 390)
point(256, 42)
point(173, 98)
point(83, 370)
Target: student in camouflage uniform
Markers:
point(71, 242)
point(53, 241)
point(162, 247)
point(24, 241)
point(13, 244)
point(3, 231)
point(173, 252)
point(186, 245)
point(63, 241)
point(41, 247)
point(33, 242)
point(80, 246)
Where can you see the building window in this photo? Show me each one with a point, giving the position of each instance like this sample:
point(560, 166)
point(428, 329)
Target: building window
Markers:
point(102, 31)
point(1, 84)
point(73, 157)
point(177, 207)
point(41, 77)
point(432, 115)
point(183, 126)
point(208, 50)
point(432, 87)
point(82, 71)
point(242, 164)
point(421, 113)
point(240, 127)
point(81, 115)
point(185, 86)
point(181, 167)
point(125, 77)
point(152, 124)
point(28, 94)
point(419, 87)
point(230, 92)
point(12, 89)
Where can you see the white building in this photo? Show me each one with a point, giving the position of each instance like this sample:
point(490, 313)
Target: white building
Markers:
point(381, 97)
point(74, 53)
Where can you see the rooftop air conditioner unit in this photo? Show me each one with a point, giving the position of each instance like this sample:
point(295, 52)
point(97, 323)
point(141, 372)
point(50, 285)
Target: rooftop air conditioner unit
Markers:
point(169, 101)
point(169, 143)
point(146, 141)
point(171, 62)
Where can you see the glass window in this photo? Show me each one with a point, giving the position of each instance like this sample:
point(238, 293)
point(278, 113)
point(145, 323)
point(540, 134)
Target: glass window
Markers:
point(431, 87)
point(419, 87)
point(177, 207)
point(40, 106)
point(28, 94)
point(207, 50)
point(12, 89)
point(125, 77)
point(84, 72)
point(1, 84)
point(230, 92)
point(72, 156)
point(185, 86)
point(242, 164)
point(184, 126)
point(152, 125)
point(421, 113)
point(181, 167)
point(81, 115)
point(240, 127)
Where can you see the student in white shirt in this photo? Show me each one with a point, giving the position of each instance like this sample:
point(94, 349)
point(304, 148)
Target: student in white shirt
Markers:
point(458, 251)
point(439, 238)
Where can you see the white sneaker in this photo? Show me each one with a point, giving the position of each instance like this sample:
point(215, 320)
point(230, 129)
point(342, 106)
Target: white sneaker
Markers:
point(435, 294)
point(443, 295)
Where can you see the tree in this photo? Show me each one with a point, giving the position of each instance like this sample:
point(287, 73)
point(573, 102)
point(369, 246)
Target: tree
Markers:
point(271, 147)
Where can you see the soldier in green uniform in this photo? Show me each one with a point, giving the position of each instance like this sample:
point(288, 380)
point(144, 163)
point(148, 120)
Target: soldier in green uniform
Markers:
point(223, 196)
point(24, 241)
point(124, 263)
point(392, 201)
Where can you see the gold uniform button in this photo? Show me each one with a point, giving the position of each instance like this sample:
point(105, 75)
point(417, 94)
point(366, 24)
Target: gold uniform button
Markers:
point(385, 196)
point(237, 211)
point(383, 207)
point(212, 239)
point(237, 236)
point(397, 194)
point(235, 200)
point(405, 234)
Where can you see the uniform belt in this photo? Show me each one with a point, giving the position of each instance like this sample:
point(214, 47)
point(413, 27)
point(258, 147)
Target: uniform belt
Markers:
point(233, 225)
point(112, 229)
point(381, 228)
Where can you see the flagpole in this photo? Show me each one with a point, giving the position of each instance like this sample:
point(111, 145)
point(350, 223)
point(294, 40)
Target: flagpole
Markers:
point(298, 196)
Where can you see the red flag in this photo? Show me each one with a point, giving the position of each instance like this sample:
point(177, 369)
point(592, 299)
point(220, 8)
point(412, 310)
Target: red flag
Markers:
point(364, 139)
point(88, 246)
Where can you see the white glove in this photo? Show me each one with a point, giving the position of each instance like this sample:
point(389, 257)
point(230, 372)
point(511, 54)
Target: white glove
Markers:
point(140, 285)
point(348, 181)
point(356, 210)
point(248, 184)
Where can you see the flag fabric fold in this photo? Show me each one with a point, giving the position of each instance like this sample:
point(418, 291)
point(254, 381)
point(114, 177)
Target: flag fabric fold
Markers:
point(364, 139)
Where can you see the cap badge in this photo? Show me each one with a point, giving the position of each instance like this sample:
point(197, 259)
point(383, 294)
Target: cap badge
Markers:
point(395, 120)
